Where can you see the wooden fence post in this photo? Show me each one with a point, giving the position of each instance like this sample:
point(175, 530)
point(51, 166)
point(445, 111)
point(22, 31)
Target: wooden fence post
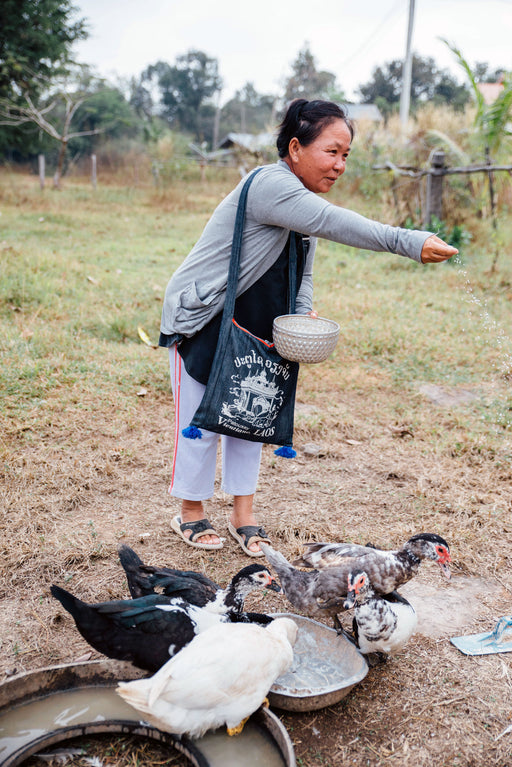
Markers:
point(41, 170)
point(434, 206)
point(93, 171)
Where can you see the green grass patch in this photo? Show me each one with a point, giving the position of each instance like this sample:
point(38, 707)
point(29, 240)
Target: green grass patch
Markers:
point(82, 269)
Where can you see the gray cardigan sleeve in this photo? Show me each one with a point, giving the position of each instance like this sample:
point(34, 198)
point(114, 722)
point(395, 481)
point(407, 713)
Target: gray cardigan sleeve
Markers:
point(284, 201)
point(277, 204)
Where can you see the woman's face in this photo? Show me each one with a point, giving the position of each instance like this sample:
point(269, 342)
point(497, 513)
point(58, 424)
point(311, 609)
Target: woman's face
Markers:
point(319, 164)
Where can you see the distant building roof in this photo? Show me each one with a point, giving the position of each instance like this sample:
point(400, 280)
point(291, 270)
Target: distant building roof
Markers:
point(248, 141)
point(363, 112)
point(490, 91)
point(257, 142)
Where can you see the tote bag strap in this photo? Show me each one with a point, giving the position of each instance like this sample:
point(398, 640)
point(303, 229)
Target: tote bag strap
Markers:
point(292, 273)
point(236, 249)
point(234, 264)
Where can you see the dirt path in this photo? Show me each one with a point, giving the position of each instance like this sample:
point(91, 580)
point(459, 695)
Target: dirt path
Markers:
point(74, 492)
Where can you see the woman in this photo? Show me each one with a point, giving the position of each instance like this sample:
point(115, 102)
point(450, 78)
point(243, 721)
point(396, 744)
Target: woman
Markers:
point(313, 144)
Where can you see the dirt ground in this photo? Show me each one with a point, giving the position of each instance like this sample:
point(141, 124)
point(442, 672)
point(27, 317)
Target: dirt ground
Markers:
point(87, 482)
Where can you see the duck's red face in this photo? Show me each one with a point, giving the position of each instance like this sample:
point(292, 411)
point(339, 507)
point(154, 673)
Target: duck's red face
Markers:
point(355, 584)
point(358, 583)
point(443, 558)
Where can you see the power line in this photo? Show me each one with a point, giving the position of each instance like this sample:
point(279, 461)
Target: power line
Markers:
point(376, 33)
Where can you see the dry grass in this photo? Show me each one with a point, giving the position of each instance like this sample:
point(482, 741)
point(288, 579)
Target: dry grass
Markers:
point(68, 506)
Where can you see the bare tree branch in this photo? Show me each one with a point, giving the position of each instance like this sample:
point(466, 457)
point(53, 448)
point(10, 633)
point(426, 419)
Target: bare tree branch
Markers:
point(14, 114)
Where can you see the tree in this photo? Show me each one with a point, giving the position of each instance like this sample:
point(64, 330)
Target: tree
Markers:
point(35, 41)
point(39, 114)
point(307, 82)
point(483, 74)
point(68, 110)
point(248, 111)
point(105, 113)
point(428, 84)
point(184, 88)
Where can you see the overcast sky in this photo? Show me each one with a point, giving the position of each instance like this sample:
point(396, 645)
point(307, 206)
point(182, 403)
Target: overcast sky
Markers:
point(258, 41)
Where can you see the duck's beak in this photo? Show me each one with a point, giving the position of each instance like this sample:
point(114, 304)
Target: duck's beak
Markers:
point(350, 599)
point(445, 569)
point(273, 585)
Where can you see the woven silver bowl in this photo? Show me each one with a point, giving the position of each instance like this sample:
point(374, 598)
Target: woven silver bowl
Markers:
point(301, 338)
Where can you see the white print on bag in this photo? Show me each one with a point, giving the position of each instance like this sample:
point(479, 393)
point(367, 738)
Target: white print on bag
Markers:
point(254, 399)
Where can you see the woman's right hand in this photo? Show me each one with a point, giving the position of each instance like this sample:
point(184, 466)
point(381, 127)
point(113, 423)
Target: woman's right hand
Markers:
point(435, 250)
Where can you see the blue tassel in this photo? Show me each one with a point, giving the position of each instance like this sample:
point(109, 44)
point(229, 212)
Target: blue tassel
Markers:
point(192, 432)
point(285, 452)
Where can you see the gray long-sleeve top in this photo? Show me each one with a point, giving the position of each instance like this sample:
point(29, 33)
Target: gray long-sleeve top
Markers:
point(277, 203)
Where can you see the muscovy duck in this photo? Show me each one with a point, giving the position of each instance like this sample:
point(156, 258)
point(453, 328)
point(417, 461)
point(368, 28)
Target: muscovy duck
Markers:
point(381, 624)
point(221, 678)
point(321, 592)
point(317, 593)
point(386, 569)
point(147, 631)
point(197, 588)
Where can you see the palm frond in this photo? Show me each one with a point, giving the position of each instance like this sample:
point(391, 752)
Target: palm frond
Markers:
point(480, 103)
point(498, 117)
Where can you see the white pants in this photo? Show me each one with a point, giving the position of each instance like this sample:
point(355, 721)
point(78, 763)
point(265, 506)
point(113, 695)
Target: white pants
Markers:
point(194, 461)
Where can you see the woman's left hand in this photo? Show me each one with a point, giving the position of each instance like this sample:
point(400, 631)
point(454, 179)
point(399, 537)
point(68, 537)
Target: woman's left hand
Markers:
point(313, 313)
point(436, 250)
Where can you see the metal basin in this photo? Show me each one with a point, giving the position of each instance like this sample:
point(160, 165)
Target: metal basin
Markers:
point(51, 705)
point(326, 666)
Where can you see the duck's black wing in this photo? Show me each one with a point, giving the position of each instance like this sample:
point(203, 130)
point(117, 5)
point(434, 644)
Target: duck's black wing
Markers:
point(135, 630)
point(143, 579)
point(395, 596)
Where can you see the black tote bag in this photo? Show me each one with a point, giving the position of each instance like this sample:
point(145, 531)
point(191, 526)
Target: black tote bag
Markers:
point(250, 392)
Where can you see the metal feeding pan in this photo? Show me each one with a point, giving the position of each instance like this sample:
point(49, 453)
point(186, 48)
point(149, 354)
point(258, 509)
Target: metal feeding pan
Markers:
point(326, 666)
point(46, 707)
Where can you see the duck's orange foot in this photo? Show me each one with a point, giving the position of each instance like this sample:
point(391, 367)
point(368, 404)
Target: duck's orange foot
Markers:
point(238, 728)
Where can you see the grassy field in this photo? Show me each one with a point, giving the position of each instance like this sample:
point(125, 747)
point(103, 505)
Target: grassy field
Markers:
point(82, 270)
point(412, 415)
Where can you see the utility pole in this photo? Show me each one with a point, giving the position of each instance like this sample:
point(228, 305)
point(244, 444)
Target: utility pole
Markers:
point(405, 97)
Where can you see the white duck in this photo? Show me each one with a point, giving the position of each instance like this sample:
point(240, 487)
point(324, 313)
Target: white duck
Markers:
point(382, 624)
point(220, 678)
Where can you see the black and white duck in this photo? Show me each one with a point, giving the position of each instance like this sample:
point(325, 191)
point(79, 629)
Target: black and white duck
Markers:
point(321, 591)
point(381, 624)
point(220, 678)
point(196, 588)
point(147, 631)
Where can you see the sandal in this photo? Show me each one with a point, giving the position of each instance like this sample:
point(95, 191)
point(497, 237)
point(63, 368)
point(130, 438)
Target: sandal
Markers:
point(248, 534)
point(198, 529)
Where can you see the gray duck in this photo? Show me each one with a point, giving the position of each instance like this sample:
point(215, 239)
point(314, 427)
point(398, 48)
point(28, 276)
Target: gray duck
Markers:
point(321, 592)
